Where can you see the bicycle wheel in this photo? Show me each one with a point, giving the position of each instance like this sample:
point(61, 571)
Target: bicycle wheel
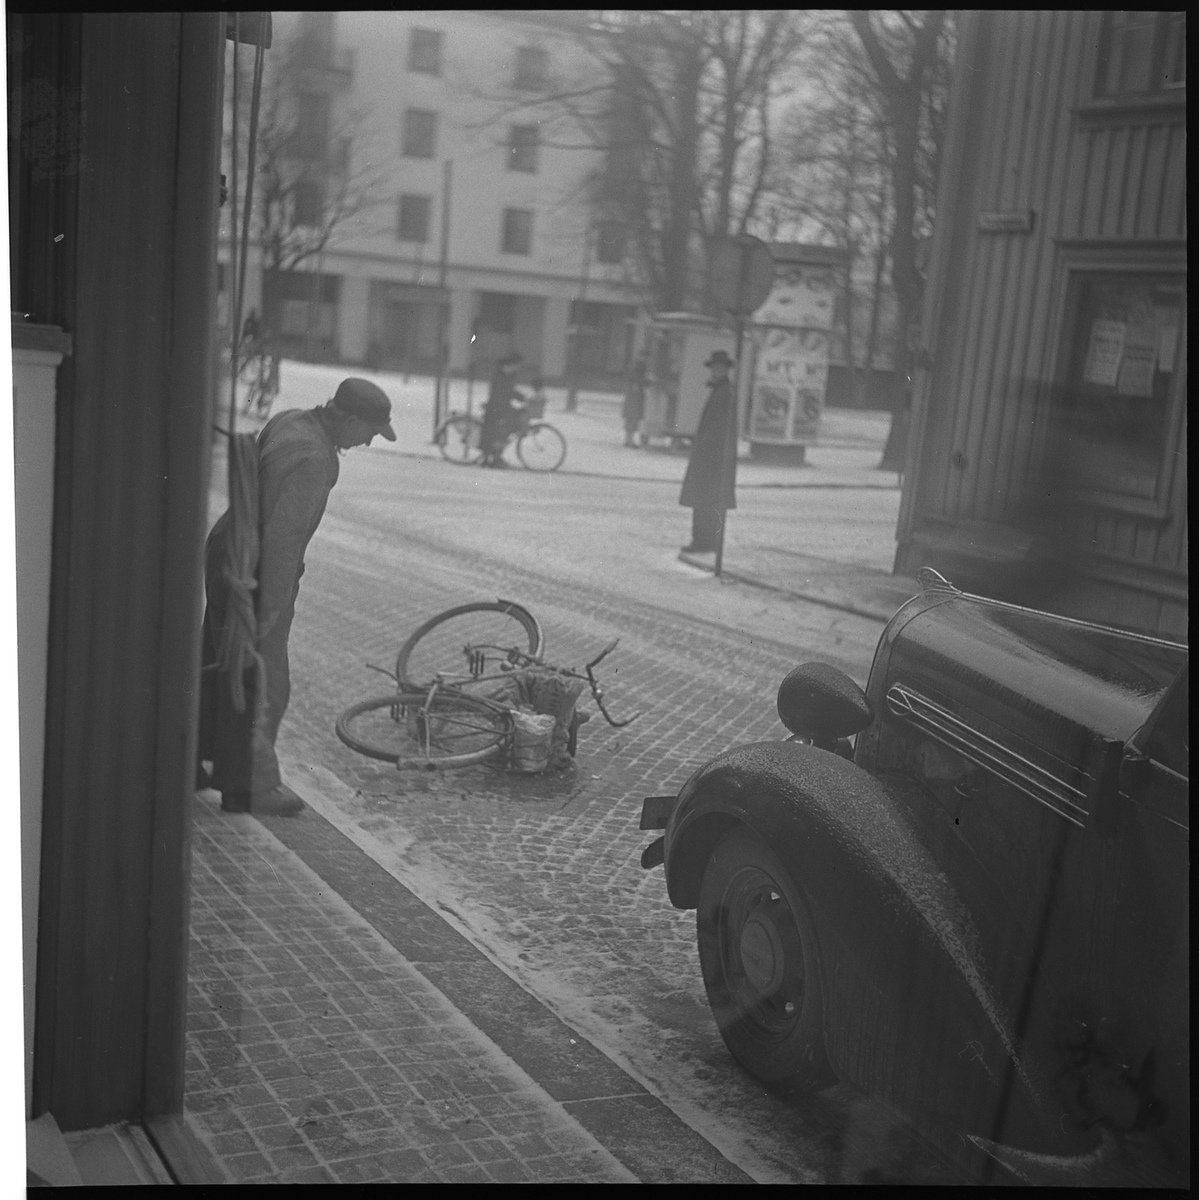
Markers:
point(467, 642)
point(541, 447)
point(460, 439)
point(416, 733)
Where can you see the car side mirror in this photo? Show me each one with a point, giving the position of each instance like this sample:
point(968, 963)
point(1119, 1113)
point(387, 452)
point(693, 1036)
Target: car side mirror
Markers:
point(819, 702)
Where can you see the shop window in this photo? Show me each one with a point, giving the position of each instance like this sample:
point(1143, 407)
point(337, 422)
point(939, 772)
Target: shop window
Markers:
point(424, 51)
point(1141, 53)
point(309, 203)
point(420, 133)
point(312, 125)
point(1117, 402)
point(518, 231)
point(497, 311)
point(532, 69)
point(414, 219)
point(523, 143)
point(610, 242)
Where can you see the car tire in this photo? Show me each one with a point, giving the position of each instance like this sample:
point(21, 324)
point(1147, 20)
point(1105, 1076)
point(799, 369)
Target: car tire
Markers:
point(760, 963)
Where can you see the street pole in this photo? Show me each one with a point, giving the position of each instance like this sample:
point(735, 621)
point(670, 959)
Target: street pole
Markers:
point(730, 457)
point(575, 329)
point(731, 449)
point(443, 307)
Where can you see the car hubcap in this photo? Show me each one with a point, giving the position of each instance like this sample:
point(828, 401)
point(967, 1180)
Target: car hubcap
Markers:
point(763, 953)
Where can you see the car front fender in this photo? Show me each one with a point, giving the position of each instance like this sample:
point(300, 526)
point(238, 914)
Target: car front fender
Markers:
point(910, 1012)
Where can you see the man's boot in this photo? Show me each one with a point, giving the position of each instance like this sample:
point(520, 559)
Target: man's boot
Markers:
point(279, 802)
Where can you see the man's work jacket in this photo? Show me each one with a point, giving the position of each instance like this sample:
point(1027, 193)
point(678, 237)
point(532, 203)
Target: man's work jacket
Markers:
point(297, 468)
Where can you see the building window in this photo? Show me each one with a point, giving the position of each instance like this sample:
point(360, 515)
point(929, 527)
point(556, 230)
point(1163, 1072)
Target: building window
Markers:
point(424, 51)
point(414, 218)
point(420, 133)
point(518, 231)
point(312, 126)
point(309, 203)
point(1116, 404)
point(1141, 53)
point(523, 141)
point(609, 242)
point(532, 69)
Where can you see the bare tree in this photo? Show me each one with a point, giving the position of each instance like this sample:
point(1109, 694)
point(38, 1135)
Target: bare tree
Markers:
point(680, 104)
point(909, 55)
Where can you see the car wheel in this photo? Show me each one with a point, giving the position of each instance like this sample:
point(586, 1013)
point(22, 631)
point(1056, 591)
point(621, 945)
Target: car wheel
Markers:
point(758, 954)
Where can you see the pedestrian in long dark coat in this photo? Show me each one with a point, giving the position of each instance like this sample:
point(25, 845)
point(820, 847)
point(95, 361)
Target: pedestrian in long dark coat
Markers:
point(497, 412)
point(707, 486)
point(633, 408)
point(297, 466)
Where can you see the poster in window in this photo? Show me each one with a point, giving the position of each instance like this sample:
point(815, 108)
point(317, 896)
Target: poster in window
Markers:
point(1104, 352)
point(1139, 362)
point(1167, 338)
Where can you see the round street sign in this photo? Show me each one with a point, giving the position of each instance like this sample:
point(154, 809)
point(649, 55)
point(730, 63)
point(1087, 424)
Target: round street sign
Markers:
point(742, 273)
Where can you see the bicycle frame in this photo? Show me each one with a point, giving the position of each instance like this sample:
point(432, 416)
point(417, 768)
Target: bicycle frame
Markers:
point(518, 661)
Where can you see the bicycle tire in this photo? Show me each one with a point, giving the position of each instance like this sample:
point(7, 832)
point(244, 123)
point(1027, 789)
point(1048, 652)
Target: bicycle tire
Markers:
point(440, 645)
point(451, 730)
point(541, 447)
point(460, 439)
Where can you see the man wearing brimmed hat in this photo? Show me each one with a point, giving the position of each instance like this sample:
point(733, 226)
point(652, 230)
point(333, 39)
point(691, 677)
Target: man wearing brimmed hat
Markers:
point(297, 466)
point(707, 487)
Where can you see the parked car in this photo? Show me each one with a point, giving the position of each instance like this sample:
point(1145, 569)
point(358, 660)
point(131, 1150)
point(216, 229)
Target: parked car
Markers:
point(978, 909)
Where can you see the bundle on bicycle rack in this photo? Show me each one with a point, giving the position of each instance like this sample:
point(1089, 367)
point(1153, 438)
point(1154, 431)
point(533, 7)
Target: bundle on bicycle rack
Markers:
point(542, 691)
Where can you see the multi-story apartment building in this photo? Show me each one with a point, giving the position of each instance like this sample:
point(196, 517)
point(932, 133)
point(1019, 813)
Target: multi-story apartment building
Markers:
point(477, 235)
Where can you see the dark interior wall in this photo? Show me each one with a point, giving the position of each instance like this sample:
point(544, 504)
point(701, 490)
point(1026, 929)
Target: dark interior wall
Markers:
point(134, 417)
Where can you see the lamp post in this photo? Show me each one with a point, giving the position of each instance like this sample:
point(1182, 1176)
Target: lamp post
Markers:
point(442, 383)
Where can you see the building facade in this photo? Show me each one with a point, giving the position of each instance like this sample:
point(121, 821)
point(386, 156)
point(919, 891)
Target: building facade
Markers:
point(1047, 462)
point(477, 236)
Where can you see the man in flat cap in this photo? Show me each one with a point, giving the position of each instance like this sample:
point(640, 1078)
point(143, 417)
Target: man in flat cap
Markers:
point(297, 466)
point(707, 488)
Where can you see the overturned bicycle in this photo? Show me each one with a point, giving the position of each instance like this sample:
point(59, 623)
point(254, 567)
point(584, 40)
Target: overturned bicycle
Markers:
point(472, 685)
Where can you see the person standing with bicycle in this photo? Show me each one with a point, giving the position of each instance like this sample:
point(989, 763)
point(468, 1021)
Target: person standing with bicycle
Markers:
point(296, 460)
point(499, 410)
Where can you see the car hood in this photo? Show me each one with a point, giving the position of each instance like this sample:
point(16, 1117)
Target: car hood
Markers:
point(1046, 686)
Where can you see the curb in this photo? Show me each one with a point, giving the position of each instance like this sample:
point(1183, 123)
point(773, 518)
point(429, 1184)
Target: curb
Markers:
point(858, 609)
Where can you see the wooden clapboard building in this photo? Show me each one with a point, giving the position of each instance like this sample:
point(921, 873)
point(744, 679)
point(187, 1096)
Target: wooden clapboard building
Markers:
point(1047, 462)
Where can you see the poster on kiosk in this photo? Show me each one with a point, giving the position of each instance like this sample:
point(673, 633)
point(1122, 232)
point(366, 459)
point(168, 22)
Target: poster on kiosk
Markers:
point(789, 340)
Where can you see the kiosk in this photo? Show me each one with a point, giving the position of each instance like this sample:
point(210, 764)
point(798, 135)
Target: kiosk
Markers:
point(676, 387)
point(788, 349)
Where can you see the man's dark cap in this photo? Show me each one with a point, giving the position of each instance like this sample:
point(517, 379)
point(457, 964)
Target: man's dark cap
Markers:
point(366, 400)
point(718, 357)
